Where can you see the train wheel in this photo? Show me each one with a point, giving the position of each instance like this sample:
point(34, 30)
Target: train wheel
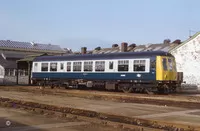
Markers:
point(127, 89)
point(164, 89)
point(148, 91)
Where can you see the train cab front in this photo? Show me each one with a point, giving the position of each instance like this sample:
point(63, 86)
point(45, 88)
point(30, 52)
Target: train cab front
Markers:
point(166, 74)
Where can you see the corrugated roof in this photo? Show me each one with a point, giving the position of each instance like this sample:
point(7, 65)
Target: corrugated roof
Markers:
point(29, 46)
point(139, 48)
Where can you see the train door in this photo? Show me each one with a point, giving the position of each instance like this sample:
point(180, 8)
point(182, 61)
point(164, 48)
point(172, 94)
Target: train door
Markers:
point(111, 66)
point(61, 67)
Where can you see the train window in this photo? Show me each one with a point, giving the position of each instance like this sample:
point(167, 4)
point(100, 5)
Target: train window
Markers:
point(123, 65)
point(153, 65)
point(139, 65)
point(174, 64)
point(111, 65)
point(36, 64)
point(88, 66)
point(170, 64)
point(68, 66)
point(53, 67)
point(44, 67)
point(164, 62)
point(77, 66)
point(100, 66)
point(61, 66)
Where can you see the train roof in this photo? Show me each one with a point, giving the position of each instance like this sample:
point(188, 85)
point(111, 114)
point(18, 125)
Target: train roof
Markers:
point(121, 55)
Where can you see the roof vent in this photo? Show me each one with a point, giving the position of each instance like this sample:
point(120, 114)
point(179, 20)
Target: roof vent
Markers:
point(115, 45)
point(177, 41)
point(166, 41)
point(33, 44)
point(132, 45)
point(98, 48)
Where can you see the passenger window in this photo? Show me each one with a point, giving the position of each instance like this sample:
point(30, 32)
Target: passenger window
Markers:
point(123, 65)
point(100, 66)
point(164, 62)
point(68, 66)
point(139, 65)
point(44, 67)
point(61, 66)
point(77, 66)
point(170, 64)
point(53, 67)
point(88, 66)
point(111, 65)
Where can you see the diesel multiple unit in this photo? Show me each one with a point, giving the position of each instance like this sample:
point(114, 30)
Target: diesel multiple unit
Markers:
point(126, 71)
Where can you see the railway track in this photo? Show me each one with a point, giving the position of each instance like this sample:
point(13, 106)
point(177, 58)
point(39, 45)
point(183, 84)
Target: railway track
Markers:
point(124, 122)
point(192, 102)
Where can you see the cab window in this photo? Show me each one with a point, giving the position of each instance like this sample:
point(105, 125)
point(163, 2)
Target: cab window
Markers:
point(164, 63)
point(174, 65)
point(170, 63)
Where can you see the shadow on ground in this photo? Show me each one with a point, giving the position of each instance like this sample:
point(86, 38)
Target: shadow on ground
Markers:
point(10, 125)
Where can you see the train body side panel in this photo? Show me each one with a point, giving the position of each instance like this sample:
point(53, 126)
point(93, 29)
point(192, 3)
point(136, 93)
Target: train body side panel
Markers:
point(95, 76)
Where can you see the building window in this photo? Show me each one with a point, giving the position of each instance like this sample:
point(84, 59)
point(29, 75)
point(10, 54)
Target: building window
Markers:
point(44, 67)
point(139, 65)
point(88, 66)
point(111, 65)
point(61, 66)
point(123, 65)
point(68, 66)
point(53, 67)
point(9, 72)
point(100, 66)
point(164, 62)
point(77, 66)
point(23, 72)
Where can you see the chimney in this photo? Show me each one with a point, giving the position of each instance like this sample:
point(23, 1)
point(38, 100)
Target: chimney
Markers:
point(124, 47)
point(83, 50)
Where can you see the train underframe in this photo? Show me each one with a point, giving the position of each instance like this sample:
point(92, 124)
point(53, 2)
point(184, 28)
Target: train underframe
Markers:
point(152, 87)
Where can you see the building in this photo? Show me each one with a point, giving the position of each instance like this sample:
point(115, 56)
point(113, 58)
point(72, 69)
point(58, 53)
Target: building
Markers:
point(187, 56)
point(124, 47)
point(12, 51)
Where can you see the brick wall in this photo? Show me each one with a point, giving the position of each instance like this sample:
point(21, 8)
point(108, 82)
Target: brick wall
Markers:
point(11, 80)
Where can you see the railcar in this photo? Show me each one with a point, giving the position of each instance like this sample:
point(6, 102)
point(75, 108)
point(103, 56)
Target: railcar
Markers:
point(150, 71)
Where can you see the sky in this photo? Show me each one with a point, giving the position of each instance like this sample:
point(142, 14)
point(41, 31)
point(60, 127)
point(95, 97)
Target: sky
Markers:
point(92, 23)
